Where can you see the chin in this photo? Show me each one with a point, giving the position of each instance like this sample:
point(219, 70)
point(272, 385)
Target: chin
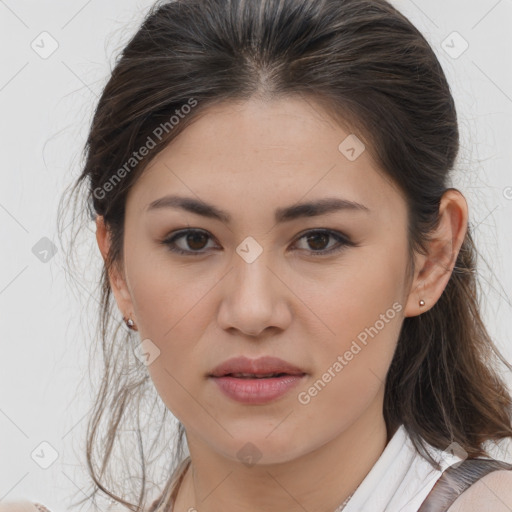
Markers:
point(257, 447)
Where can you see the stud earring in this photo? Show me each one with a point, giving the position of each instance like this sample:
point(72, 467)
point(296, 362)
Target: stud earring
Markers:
point(422, 302)
point(130, 324)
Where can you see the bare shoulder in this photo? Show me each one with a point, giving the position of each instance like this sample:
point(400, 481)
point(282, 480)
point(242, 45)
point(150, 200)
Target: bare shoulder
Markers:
point(18, 506)
point(492, 493)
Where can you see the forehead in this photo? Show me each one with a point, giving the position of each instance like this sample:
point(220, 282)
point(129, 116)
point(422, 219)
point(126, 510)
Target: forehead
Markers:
point(272, 152)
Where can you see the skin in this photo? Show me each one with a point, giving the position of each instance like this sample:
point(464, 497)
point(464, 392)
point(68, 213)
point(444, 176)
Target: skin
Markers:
point(493, 493)
point(250, 158)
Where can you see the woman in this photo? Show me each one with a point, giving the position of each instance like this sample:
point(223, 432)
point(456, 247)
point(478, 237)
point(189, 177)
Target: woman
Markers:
point(269, 182)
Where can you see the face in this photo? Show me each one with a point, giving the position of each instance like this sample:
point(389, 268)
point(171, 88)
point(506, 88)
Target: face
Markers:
point(324, 292)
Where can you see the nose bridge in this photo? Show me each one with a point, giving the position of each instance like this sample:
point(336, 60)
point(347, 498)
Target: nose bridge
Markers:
point(251, 301)
point(252, 267)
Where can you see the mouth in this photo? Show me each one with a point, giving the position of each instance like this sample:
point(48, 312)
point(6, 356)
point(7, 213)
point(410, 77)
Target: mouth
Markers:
point(258, 381)
point(259, 376)
point(257, 389)
point(262, 368)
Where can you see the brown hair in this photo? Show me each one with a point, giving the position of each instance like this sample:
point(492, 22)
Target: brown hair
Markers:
point(375, 72)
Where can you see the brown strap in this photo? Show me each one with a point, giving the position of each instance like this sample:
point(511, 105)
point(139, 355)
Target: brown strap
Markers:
point(454, 481)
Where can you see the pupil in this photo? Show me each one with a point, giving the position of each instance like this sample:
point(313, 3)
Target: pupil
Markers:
point(316, 236)
point(194, 236)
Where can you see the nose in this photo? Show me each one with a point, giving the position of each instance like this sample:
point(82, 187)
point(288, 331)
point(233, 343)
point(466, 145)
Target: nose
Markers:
point(254, 298)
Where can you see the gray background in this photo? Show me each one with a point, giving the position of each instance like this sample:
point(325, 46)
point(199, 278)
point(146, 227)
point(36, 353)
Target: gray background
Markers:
point(46, 103)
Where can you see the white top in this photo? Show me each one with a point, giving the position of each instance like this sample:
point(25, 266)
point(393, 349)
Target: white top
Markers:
point(400, 479)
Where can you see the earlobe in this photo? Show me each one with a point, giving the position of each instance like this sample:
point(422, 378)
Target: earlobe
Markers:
point(417, 302)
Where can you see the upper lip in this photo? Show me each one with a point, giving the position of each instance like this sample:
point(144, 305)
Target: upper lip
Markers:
point(261, 366)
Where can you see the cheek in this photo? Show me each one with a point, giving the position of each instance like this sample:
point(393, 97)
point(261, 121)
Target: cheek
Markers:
point(360, 306)
point(165, 294)
point(172, 310)
point(353, 295)
point(363, 307)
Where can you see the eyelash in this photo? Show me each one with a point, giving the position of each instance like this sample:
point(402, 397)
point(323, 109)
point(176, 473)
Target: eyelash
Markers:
point(342, 240)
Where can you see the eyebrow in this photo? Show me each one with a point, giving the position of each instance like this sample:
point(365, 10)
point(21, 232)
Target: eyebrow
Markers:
point(289, 213)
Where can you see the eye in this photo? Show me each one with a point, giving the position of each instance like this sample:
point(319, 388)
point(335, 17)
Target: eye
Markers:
point(319, 237)
point(196, 240)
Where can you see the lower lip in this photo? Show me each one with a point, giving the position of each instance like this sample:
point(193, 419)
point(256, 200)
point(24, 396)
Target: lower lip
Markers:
point(257, 391)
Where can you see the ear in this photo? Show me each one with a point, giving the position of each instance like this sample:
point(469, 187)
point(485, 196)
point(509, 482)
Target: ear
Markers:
point(117, 281)
point(433, 270)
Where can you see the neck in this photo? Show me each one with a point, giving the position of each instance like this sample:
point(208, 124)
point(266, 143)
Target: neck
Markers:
point(318, 481)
